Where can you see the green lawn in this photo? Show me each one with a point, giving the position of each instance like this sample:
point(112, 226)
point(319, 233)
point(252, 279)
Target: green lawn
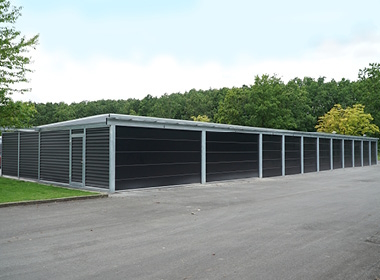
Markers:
point(14, 190)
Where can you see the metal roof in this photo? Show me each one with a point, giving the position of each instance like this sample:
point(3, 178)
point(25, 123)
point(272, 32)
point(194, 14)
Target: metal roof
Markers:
point(139, 121)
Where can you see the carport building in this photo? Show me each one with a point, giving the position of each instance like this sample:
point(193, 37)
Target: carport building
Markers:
point(119, 152)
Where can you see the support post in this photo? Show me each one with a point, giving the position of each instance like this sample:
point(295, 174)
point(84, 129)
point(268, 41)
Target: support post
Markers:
point(302, 155)
point(331, 154)
point(370, 152)
point(84, 158)
point(361, 153)
point(70, 155)
point(317, 154)
point(283, 156)
point(203, 158)
point(112, 158)
point(39, 156)
point(342, 153)
point(260, 155)
point(18, 154)
point(353, 153)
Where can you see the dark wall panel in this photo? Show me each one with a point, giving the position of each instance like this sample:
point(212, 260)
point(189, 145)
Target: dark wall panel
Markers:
point(292, 155)
point(357, 151)
point(365, 153)
point(373, 152)
point(29, 155)
point(97, 157)
point(310, 154)
point(324, 154)
point(54, 156)
point(231, 155)
point(10, 154)
point(147, 157)
point(337, 153)
point(347, 153)
point(272, 159)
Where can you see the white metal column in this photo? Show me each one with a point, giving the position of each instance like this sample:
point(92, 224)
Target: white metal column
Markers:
point(361, 153)
point(317, 154)
point(112, 158)
point(342, 153)
point(260, 155)
point(353, 153)
point(84, 158)
point(18, 154)
point(302, 156)
point(331, 154)
point(283, 156)
point(203, 158)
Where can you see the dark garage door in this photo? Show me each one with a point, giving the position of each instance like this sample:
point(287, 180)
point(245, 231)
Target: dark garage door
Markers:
point(231, 156)
point(147, 157)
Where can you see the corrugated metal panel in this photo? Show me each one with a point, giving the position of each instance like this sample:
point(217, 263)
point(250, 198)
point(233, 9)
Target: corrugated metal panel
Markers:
point(337, 153)
point(54, 156)
point(357, 152)
point(272, 155)
point(147, 157)
point(77, 159)
point(292, 155)
point(310, 154)
point(365, 153)
point(324, 154)
point(231, 155)
point(97, 157)
point(29, 155)
point(10, 154)
point(347, 153)
point(373, 152)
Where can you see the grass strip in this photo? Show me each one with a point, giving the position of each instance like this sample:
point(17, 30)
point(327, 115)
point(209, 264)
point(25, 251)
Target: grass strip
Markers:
point(12, 190)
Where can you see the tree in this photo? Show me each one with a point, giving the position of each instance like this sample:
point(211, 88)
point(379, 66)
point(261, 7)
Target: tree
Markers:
point(14, 63)
point(368, 86)
point(349, 121)
point(200, 118)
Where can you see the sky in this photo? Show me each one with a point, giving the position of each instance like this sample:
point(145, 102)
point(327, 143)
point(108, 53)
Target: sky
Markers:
point(118, 49)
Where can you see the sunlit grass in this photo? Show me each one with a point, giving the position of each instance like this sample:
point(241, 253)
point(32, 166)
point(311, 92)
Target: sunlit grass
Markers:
point(14, 190)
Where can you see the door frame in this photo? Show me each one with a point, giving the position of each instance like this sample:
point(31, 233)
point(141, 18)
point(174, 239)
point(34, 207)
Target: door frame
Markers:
point(83, 136)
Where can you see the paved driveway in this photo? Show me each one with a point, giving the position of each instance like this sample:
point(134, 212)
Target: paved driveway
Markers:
point(311, 226)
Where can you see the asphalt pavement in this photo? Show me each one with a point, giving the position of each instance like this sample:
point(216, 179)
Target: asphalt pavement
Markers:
point(313, 226)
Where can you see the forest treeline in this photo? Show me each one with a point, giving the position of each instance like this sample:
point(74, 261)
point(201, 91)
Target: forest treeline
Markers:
point(267, 102)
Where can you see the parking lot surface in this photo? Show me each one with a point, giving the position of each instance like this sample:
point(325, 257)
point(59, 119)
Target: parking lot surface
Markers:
point(313, 226)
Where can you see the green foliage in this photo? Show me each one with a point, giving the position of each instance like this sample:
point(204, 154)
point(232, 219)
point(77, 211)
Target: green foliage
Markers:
point(200, 118)
point(17, 114)
point(268, 102)
point(349, 121)
point(14, 63)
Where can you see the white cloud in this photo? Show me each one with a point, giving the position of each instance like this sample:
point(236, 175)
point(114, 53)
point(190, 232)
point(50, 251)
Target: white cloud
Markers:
point(59, 77)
